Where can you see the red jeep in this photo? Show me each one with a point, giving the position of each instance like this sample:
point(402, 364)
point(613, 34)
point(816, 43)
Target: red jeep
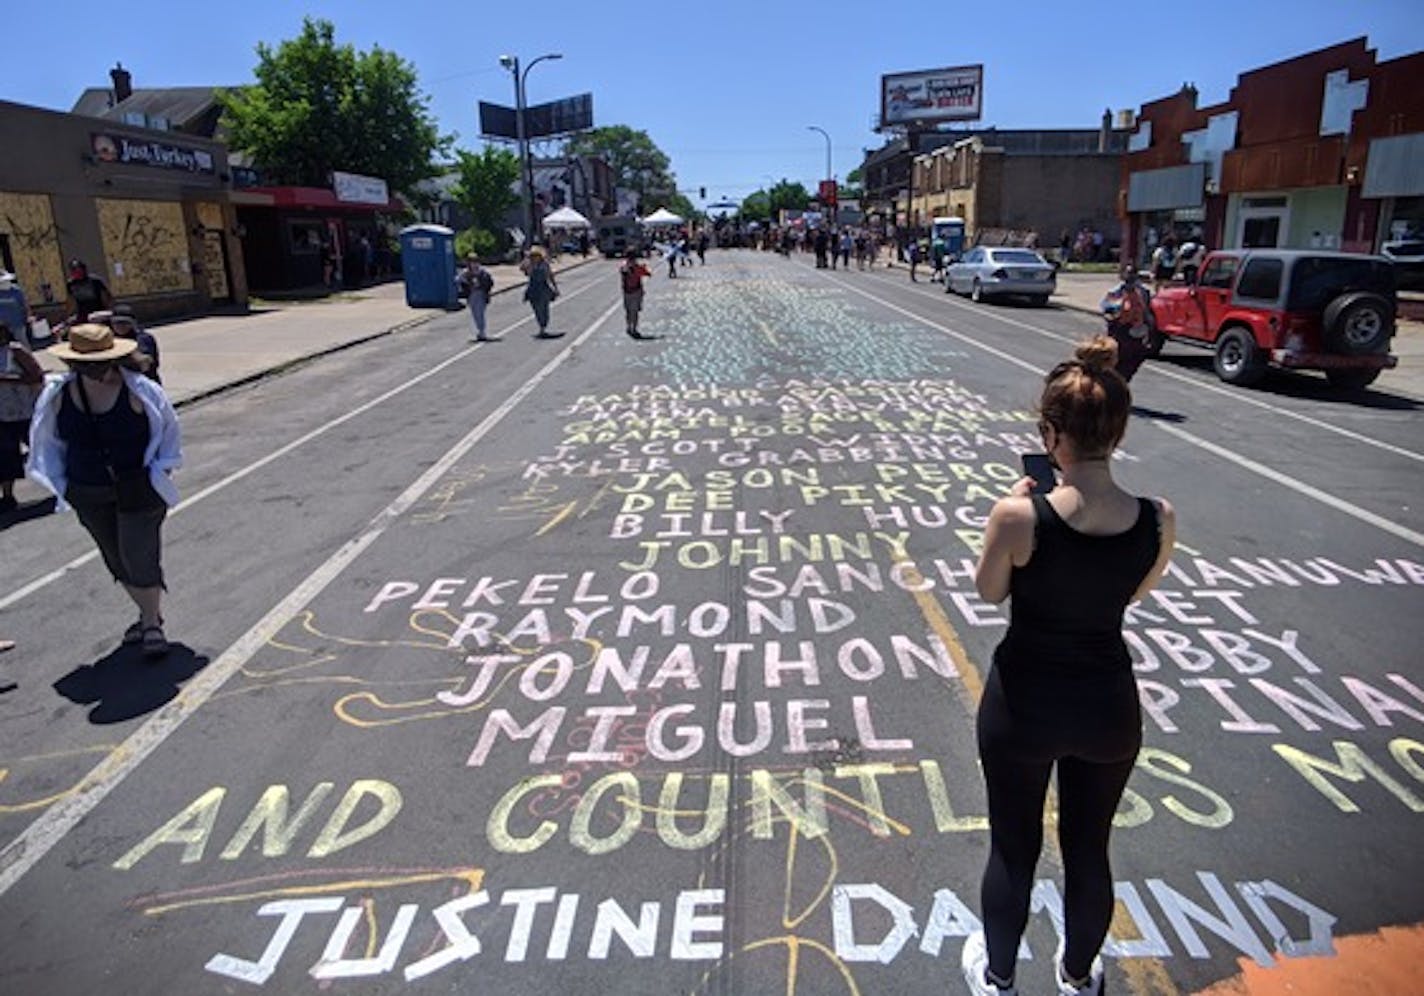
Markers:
point(1299, 309)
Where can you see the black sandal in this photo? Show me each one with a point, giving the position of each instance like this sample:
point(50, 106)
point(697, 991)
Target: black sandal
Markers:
point(134, 634)
point(155, 644)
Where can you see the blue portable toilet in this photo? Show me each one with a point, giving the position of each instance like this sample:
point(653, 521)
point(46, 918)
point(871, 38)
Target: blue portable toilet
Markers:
point(428, 262)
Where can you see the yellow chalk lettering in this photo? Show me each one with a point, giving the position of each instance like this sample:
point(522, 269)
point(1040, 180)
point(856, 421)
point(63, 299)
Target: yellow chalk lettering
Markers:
point(191, 828)
point(945, 819)
point(335, 837)
point(714, 816)
point(270, 816)
point(631, 799)
point(870, 792)
point(1351, 764)
point(1403, 749)
point(809, 819)
point(1149, 760)
point(497, 826)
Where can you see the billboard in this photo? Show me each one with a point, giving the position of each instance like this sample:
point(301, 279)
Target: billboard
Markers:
point(558, 117)
point(929, 96)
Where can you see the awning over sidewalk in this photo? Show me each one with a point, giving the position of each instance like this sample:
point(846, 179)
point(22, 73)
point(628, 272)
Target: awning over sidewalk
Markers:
point(1395, 167)
point(1166, 189)
point(317, 198)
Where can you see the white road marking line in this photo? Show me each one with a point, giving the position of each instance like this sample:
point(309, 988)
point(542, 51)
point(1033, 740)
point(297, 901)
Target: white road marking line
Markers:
point(1324, 497)
point(45, 580)
point(1205, 385)
point(21, 854)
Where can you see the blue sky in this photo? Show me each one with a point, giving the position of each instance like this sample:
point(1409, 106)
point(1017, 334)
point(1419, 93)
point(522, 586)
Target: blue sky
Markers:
point(727, 89)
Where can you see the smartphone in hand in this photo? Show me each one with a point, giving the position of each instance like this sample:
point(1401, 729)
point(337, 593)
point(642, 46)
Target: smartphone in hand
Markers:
point(1040, 468)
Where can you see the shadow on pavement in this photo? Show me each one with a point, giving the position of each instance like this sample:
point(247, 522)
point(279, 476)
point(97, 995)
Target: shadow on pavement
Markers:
point(26, 512)
point(1157, 414)
point(1305, 386)
point(124, 684)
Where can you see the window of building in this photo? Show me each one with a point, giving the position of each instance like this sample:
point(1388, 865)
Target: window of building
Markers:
point(305, 236)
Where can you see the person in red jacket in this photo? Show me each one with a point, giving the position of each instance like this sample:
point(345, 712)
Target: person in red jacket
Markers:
point(633, 273)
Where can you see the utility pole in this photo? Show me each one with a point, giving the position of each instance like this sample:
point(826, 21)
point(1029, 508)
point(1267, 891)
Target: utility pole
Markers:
point(526, 166)
point(829, 169)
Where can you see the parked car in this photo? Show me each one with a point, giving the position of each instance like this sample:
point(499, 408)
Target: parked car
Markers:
point(1408, 258)
point(986, 271)
point(1329, 311)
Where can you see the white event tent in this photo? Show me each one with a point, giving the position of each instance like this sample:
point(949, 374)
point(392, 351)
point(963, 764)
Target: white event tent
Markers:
point(565, 217)
point(662, 216)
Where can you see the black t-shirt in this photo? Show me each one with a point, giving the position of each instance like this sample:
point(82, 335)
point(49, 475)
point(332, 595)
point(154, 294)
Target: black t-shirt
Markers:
point(88, 294)
point(1069, 599)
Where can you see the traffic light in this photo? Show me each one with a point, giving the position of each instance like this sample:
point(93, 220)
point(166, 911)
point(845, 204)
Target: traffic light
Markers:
point(702, 193)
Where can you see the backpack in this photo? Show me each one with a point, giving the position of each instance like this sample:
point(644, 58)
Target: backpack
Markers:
point(631, 282)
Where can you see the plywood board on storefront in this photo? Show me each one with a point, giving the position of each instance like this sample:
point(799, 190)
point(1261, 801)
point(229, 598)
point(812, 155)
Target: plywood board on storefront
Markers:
point(145, 246)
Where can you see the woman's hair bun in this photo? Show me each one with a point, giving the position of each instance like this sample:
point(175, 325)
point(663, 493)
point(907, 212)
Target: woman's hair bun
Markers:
point(1097, 354)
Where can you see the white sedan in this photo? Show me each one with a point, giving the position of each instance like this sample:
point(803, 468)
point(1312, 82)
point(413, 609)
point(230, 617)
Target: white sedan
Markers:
point(986, 271)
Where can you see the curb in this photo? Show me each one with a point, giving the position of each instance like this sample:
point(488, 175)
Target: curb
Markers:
point(297, 361)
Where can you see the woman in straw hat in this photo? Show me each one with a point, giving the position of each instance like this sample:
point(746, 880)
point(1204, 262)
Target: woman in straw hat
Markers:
point(105, 440)
point(541, 289)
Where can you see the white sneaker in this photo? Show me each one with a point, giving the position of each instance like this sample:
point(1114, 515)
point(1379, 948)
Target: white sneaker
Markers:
point(975, 962)
point(1066, 988)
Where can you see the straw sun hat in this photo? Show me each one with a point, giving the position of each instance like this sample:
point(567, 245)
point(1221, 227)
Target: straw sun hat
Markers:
point(90, 343)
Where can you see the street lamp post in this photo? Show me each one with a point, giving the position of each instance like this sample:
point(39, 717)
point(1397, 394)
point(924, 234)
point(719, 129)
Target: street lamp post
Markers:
point(829, 175)
point(526, 167)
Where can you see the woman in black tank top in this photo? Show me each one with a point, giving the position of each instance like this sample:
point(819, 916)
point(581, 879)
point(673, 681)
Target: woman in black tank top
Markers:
point(1061, 690)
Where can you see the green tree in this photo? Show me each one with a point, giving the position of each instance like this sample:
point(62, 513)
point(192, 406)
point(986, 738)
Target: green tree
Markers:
point(756, 206)
point(317, 107)
point(637, 163)
point(768, 203)
point(486, 185)
point(853, 189)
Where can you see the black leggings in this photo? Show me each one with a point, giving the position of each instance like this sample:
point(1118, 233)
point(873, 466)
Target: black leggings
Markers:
point(1093, 735)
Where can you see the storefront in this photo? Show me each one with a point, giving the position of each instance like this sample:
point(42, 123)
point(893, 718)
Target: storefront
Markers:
point(147, 211)
point(303, 241)
point(1162, 202)
point(1394, 178)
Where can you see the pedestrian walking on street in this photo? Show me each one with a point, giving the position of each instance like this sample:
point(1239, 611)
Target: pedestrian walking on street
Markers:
point(121, 319)
point(912, 253)
point(1128, 311)
point(20, 381)
point(633, 273)
point(105, 441)
point(1061, 691)
point(671, 255)
point(541, 289)
point(702, 243)
point(475, 283)
point(86, 293)
point(846, 245)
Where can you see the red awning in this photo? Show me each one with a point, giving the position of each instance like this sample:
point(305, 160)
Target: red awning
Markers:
point(319, 198)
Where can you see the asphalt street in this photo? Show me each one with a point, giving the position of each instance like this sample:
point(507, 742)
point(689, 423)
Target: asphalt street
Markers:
point(593, 665)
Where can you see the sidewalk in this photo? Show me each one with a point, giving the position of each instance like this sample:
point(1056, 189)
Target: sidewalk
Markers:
point(1084, 291)
point(203, 356)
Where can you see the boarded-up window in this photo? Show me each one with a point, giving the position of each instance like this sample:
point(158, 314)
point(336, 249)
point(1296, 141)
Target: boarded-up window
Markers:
point(27, 225)
point(145, 246)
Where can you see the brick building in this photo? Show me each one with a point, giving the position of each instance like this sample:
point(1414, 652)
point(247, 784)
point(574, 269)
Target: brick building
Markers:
point(1003, 183)
point(1325, 150)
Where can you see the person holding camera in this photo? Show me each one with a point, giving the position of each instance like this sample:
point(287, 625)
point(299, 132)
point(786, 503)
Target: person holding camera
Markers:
point(1071, 555)
point(105, 441)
